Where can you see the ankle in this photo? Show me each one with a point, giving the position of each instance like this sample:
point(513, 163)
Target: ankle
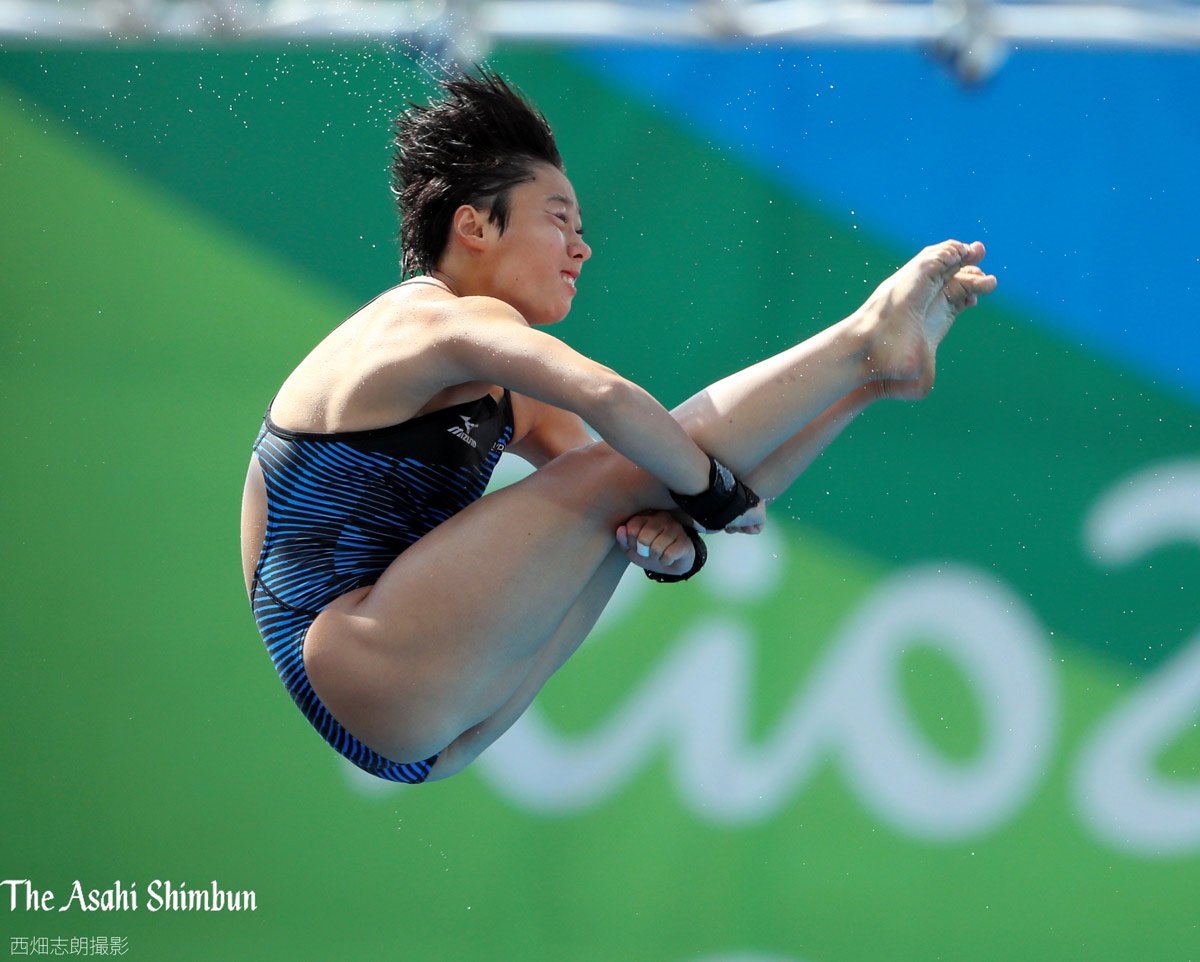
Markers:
point(863, 335)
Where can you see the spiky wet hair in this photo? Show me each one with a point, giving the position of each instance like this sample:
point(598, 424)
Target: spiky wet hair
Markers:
point(471, 146)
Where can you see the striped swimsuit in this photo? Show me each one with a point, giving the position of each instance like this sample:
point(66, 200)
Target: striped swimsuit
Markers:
point(340, 508)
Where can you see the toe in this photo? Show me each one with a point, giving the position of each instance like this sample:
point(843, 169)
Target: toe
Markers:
point(975, 279)
point(949, 257)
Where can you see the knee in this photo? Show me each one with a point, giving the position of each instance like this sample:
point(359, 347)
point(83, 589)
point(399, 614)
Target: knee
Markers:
point(590, 460)
point(608, 481)
point(696, 415)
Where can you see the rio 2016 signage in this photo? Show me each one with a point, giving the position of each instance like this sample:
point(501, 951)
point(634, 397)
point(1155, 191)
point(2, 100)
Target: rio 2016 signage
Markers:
point(696, 700)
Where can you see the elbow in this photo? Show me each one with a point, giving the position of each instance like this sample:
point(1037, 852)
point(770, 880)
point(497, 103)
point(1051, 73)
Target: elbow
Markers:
point(612, 400)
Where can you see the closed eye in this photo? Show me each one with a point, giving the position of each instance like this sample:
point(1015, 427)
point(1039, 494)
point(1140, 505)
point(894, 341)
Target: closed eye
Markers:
point(566, 221)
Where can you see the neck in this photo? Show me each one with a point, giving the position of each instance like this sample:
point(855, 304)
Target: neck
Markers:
point(437, 279)
point(463, 273)
point(444, 279)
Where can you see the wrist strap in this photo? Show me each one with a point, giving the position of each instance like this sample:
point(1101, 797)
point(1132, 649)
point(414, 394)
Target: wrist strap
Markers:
point(725, 498)
point(697, 564)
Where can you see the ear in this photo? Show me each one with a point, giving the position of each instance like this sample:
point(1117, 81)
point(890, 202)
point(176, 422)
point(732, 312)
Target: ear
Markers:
point(469, 227)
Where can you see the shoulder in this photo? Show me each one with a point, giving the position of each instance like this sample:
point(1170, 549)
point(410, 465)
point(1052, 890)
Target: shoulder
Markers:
point(432, 330)
point(446, 324)
point(483, 337)
point(478, 316)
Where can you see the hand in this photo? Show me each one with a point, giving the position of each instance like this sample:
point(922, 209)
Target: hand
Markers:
point(751, 522)
point(656, 541)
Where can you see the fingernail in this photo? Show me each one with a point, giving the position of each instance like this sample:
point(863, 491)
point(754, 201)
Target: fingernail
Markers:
point(643, 550)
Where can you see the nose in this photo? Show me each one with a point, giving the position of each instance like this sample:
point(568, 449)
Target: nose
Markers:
point(580, 249)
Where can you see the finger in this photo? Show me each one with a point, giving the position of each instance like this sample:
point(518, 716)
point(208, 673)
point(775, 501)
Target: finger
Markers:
point(623, 537)
point(662, 543)
point(659, 537)
point(643, 532)
point(631, 552)
point(754, 515)
point(635, 525)
point(675, 551)
point(637, 522)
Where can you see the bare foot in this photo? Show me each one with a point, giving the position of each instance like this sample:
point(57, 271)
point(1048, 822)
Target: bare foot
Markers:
point(912, 310)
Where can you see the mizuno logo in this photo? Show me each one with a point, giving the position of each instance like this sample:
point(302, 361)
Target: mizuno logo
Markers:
point(464, 433)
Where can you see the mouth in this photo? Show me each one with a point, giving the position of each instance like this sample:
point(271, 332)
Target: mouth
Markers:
point(570, 277)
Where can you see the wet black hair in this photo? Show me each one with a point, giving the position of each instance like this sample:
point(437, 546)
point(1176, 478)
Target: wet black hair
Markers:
point(471, 146)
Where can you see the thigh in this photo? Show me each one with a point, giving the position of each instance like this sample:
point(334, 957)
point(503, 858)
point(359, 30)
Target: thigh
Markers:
point(554, 654)
point(451, 629)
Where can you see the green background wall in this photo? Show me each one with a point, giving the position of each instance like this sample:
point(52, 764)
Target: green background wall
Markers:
point(945, 708)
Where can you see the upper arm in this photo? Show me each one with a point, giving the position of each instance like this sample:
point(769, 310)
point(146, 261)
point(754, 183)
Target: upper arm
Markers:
point(544, 431)
point(486, 340)
point(483, 339)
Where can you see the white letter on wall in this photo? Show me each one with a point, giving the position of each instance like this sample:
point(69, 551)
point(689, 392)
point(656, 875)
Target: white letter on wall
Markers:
point(1122, 797)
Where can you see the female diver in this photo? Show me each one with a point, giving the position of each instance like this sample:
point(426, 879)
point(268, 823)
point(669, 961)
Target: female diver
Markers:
point(412, 619)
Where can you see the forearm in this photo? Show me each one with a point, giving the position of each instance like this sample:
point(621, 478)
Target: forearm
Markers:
point(787, 462)
point(635, 424)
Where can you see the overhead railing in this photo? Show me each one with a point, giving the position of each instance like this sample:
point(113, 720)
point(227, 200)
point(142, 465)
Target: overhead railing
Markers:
point(974, 36)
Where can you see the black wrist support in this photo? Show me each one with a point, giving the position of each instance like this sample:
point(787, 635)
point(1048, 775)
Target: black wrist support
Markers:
point(701, 557)
point(725, 498)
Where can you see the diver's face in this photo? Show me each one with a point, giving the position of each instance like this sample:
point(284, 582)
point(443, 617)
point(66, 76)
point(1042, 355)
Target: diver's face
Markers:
point(536, 262)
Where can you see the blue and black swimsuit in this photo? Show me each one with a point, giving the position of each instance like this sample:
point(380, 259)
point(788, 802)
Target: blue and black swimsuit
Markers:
point(340, 508)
